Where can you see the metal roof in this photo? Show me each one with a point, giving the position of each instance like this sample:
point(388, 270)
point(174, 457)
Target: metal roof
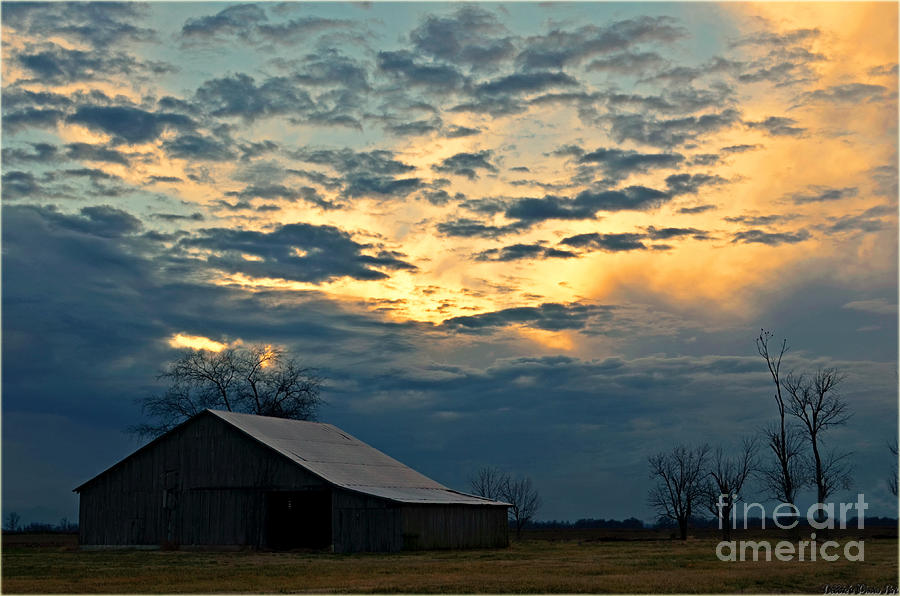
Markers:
point(345, 461)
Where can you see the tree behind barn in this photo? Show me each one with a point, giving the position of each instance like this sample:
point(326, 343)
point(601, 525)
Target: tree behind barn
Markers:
point(256, 380)
point(680, 484)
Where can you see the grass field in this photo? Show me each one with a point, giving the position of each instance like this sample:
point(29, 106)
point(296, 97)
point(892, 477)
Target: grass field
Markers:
point(555, 561)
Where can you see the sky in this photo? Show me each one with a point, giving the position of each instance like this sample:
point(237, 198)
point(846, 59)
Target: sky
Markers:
point(537, 236)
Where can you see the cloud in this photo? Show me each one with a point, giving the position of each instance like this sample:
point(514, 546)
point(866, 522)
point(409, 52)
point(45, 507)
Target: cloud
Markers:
point(466, 164)
point(19, 185)
point(517, 252)
point(560, 48)
point(528, 82)
point(668, 233)
point(697, 209)
point(770, 238)
point(466, 37)
point(471, 228)
point(41, 153)
point(238, 95)
point(683, 184)
point(606, 242)
point(635, 63)
point(434, 77)
point(279, 191)
point(668, 132)
point(199, 147)
point(618, 164)
point(878, 306)
point(99, 24)
point(777, 126)
point(128, 124)
point(821, 194)
point(249, 23)
point(848, 93)
point(586, 204)
point(89, 152)
point(55, 65)
point(549, 316)
point(297, 252)
point(455, 132)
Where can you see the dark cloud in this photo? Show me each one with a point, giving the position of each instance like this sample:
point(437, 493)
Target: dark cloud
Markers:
point(870, 220)
point(363, 185)
point(89, 152)
point(41, 153)
point(777, 126)
point(517, 252)
point(633, 63)
point(238, 95)
point(199, 147)
point(739, 148)
point(128, 124)
point(99, 24)
point(697, 209)
point(605, 242)
point(234, 21)
point(466, 164)
point(821, 194)
point(455, 132)
point(103, 221)
point(471, 36)
point(668, 132)
point(770, 238)
point(528, 82)
point(758, 220)
point(379, 161)
point(52, 64)
point(586, 204)
point(682, 184)
point(415, 128)
point(549, 316)
point(848, 93)
point(31, 118)
point(196, 216)
point(618, 164)
point(471, 228)
point(164, 179)
point(19, 185)
point(560, 48)
point(93, 173)
point(329, 67)
point(298, 252)
point(432, 76)
point(787, 38)
point(667, 233)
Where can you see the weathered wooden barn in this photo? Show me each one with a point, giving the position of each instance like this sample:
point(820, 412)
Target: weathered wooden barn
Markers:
point(223, 479)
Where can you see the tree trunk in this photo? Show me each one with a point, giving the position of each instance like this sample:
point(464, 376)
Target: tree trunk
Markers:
point(682, 528)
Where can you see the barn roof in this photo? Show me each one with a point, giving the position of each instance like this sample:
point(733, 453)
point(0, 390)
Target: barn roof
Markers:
point(344, 461)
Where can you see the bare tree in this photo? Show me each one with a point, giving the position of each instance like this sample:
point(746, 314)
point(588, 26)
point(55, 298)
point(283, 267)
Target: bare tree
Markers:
point(523, 498)
point(817, 404)
point(12, 522)
point(680, 483)
point(892, 481)
point(488, 482)
point(786, 475)
point(257, 380)
point(726, 478)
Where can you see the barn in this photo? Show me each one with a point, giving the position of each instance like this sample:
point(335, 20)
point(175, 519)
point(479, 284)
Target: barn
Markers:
point(223, 479)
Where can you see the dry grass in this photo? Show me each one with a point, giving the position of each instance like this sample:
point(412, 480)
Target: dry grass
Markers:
point(532, 565)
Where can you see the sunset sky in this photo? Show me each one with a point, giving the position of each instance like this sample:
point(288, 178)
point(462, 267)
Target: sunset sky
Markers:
point(536, 236)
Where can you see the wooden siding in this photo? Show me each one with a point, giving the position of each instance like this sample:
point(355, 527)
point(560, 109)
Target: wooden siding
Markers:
point(204, 484)
point(454, 526)
point(364, 523)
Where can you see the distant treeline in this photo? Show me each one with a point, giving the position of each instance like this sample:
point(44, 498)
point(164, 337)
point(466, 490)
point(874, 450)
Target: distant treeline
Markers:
point(63, 527)
point(632, 523)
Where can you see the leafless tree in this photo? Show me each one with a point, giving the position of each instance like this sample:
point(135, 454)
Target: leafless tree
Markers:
point(815, 401)
point(680, 483)
point(523, 498)
point(12, 522)
point(786, 475)
point(892, 481)
point(488, 482)
point(257, 380)
point(727, 476)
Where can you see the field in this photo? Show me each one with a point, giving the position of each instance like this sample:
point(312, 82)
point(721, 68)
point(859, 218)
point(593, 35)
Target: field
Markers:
point(543, 561)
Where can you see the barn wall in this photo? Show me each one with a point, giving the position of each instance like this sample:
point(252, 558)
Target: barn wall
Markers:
point(453, 526)
point(363, 523)
point(203, 484)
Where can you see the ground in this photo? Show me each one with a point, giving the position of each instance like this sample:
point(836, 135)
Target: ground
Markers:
point(542, 562)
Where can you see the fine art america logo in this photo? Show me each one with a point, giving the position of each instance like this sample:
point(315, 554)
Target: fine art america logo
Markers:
point(820, 516)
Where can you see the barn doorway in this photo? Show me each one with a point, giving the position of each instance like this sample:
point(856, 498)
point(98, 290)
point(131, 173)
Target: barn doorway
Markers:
point(299, 519)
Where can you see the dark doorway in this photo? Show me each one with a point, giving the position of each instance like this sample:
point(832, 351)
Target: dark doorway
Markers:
point(299, 520)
